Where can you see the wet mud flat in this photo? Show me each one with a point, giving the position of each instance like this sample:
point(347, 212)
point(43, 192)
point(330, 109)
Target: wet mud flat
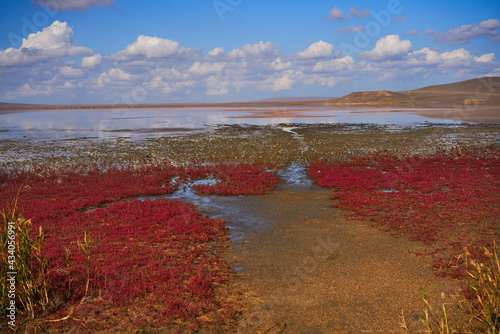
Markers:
point(281, 144)
point(300, 267)
point(315, 272)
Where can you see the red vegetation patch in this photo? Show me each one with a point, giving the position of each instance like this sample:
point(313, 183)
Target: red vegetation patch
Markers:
point(50, 195)
point(448, 201)
point(155, 262)
point(158, 261)
point(233, 179)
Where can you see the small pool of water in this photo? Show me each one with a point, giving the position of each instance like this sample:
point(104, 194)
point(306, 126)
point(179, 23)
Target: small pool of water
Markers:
point(295, 176)
point(234, 209)
point(230, 208)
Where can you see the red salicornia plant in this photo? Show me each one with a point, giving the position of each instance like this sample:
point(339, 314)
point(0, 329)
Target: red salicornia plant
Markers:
point(112, 261)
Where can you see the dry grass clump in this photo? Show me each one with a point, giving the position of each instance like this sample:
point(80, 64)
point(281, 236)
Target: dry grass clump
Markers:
point(480, 311)
point(485, 291)
point(22, 265)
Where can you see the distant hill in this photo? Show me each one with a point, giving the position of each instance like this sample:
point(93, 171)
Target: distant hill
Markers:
point(482, 91)
point(296, 99)
point(381, 97)
point(476, 91)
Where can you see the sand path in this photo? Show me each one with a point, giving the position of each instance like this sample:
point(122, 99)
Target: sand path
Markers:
point(313, 271)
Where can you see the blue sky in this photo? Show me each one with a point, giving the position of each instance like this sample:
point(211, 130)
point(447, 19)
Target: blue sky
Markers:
point(130, 51)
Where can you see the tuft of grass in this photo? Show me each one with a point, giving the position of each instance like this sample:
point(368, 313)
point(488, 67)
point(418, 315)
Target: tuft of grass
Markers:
point(482, 295)
point(484, 291)
point(434, 321)
point(85, 246)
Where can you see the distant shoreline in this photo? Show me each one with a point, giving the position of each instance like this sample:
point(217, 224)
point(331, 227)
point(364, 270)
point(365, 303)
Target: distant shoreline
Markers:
point(466, 100)
point(481, 113)
point(13, 107)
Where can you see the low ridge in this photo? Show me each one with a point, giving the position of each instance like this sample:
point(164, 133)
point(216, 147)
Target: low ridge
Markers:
point(475, 91)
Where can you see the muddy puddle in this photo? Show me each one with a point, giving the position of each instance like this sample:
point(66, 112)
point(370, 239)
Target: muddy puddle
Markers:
point(243, 220)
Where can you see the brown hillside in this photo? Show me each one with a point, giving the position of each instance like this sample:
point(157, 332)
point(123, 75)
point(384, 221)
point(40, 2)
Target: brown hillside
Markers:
point(381, 97)
point(476, 91)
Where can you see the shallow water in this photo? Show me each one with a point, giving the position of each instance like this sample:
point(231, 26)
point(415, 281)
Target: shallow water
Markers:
point(295, 177)
point(234, 209)
point(153, 123)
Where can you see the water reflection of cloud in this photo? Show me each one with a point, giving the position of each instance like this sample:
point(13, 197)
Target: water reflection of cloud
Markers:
point(135, 122)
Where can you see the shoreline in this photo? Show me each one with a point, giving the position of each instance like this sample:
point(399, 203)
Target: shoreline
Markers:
point(489, 114)
point(7, 107)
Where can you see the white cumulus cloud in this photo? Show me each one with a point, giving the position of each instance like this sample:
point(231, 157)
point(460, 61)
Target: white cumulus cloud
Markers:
point(279, 65)
point(216, 86)
point(153, 47)
point(92, 61)
point(318, 50)
point(205, 68)
point(218, 51)
point(425, 56)
point(278, 83)
point(486, 58)
point(115, 76)
point(54, 41)
point(335, 65)
point(252, 51)
point(71, 72)
point(388, 48)
point(320, 79)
